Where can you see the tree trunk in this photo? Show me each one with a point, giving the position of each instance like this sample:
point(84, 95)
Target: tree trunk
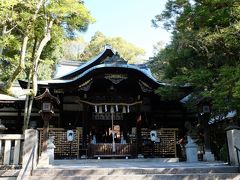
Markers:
point(25, 122)
point(3, 34)
point(36, 59)
point(26, 109)
point(29, 109)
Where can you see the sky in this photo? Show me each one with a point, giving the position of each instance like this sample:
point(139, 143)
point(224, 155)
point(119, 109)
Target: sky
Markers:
point(129, 19)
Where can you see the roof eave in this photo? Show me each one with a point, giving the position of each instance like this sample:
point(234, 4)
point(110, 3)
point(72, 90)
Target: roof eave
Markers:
point(108, 52)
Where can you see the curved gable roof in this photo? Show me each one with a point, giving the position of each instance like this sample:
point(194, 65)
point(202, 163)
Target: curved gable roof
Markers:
point(93, 62)
point(101, 68)
point(107, 61)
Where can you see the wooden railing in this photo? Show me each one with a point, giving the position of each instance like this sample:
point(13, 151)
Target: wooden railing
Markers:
point(10, 148)
point(106, 150)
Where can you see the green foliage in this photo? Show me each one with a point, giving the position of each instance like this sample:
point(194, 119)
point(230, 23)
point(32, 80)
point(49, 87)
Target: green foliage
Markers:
point(19, 19)
point(5, 70)
point(128, 51)
point(45, 70)
point(169, 92)
point(51, 54)
point(204, 50)
point(70, 14)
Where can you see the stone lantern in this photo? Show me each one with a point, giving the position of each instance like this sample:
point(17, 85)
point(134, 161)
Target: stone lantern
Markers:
point(204, 115)
point(47, 101)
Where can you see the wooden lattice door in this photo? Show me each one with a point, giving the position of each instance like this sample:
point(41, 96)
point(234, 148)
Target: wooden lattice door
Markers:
point(64, 149)
point(165, 148)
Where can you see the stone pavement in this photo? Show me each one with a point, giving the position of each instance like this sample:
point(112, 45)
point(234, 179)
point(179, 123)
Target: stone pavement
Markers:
point(133, 163)
point(135, 169)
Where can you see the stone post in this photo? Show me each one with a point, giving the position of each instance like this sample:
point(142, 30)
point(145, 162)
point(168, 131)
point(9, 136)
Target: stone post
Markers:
point(233, 136)
point(30, 146)
point(30, 140)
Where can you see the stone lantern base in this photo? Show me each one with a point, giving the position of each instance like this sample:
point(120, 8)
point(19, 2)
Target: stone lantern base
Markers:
point(208, 156)
point(191, 151)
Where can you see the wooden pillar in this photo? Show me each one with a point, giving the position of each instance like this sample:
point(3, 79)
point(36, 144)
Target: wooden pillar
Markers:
point(207, 146)
point(84, 125)
point(60, 118)
point(19, 119)
point(46, 116)
point(125, 127)
point(139, 136)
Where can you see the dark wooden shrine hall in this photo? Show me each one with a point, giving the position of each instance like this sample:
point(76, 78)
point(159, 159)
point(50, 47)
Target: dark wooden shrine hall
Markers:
point(112, 107)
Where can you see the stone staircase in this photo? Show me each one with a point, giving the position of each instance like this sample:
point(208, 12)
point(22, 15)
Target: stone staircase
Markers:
point(176, 172)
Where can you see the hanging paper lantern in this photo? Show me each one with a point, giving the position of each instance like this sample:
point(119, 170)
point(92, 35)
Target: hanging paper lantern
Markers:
point(128, 110)
point(96, 109)
point(124, 109)
point(105, 108)
point(112, 109)
point(100, 109)
point(116, 108)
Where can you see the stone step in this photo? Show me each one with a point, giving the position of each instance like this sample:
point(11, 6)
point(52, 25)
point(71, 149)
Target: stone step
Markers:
point(132, 171)
point(200, 176)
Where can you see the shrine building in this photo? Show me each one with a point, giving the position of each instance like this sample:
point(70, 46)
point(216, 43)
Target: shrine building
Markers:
point(113, 110)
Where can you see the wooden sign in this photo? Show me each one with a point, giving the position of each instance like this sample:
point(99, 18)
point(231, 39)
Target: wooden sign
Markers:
point(107, 116)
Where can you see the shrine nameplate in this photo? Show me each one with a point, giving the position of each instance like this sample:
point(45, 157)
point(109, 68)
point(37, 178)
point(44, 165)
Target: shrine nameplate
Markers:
point(107, 116)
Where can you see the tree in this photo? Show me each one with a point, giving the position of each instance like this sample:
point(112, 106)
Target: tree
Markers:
point(157, 47)
point(127, 50)
point(204, 50)
point(73, 48)
point(30, 25)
